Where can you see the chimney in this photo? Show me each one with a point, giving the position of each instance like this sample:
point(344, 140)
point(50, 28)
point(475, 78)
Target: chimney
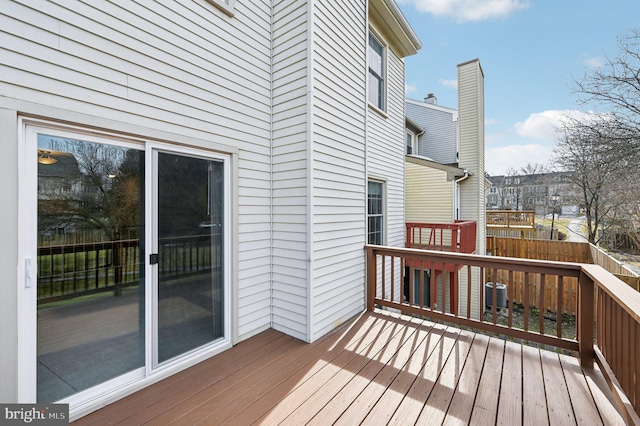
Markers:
point(431, 99)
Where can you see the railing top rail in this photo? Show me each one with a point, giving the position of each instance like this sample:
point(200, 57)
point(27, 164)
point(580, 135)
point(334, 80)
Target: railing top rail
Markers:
point(456, 225)
point(532, 212)
point(625, 296)
point(567, 269)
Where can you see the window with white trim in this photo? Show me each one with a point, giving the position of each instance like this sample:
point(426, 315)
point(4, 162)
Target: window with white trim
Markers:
point(375, 213)
point(411, 142)
point(227, 6)
point(376, 73)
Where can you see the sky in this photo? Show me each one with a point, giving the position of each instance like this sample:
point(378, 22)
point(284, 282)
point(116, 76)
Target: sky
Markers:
point(530, 51)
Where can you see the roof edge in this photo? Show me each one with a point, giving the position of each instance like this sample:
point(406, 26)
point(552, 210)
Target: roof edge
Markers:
point(388, 18)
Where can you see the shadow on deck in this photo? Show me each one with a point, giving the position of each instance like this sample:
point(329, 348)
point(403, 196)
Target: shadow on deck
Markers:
point(379, 368)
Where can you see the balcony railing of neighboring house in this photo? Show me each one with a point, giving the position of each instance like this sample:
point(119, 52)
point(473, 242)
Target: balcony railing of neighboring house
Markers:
point(511, 219)
point(459, 236)
point(601, 300)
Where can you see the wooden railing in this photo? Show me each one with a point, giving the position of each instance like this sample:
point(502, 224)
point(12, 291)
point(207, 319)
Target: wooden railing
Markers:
point(618, 338)
point(392, 282)
point(71, 270)
point(459, 236)
point(511, 219)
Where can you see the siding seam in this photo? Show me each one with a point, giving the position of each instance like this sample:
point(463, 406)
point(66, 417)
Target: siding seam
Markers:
point(310, 111)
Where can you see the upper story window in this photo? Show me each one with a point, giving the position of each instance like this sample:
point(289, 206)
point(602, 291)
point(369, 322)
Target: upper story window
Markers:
point(375, 213)
point(411, 142)
point(376, 73)
point(227, 6)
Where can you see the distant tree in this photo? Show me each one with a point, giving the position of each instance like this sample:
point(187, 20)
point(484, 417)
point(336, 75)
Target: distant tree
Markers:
point(513, 188)
point(606, 146)
point(616, 85)
point(534, 169)
point(597, 157)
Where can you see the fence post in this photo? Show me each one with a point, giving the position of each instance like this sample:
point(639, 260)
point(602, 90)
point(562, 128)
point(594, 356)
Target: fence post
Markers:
point(586, 315)
point(371, 278)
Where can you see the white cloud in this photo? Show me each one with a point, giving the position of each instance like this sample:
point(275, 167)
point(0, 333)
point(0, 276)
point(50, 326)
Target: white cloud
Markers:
point(469, 10)
point(542, 125)
point(499, 159)
point(593, 62)
point(448, 83)
point(490, 121)
point(410, 88)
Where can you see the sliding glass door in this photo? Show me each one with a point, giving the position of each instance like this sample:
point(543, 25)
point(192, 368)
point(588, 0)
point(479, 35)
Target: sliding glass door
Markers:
point(190, 253)
point(90, 263)
point(130, 261)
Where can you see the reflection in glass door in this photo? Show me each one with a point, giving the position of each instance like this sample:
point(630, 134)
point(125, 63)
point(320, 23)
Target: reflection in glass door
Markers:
point(190, 290)
point(90, 276)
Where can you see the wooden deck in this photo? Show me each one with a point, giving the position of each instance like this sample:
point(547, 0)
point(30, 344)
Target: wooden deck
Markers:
point(378, 369)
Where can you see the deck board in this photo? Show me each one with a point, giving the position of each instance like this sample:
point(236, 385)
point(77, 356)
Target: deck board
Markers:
point(581, 399)
point(534, 402)
point(437, 404)
point(510, 404)
point(381, 412)
point(462, 404)
point(380, 368)
point(558, 401)
point(486, 406)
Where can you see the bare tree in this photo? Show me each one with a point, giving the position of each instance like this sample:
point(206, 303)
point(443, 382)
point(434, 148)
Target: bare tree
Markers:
point(534, 169)
point(616, 85)
point(597, 158)
point(609, 141)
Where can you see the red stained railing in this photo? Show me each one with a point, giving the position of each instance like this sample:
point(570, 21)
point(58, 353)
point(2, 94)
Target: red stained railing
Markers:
point(459, 237)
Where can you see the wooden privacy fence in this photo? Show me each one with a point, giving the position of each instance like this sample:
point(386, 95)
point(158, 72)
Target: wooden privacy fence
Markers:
point(543, 292)
point(562, 251)
point(541, 250)
point(612, 265)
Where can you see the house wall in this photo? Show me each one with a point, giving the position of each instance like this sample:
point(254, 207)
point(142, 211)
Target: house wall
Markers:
point(429, 196)
point(385, 157)
point(440, 138)
point(160, 71)
point(337, 150)
point(281, 92)
point(290, 178)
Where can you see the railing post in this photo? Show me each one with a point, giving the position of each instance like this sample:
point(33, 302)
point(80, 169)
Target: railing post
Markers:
point(371, 279)
point(586, 315)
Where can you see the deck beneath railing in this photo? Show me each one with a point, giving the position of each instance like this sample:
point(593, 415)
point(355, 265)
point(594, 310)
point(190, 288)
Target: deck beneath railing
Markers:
point(376, 369)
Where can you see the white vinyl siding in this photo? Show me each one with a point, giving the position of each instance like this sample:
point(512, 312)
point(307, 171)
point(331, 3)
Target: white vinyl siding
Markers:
point(165, 67)
point(290, 239)
point(429, 196)
point(338, 146)
point(386, 150)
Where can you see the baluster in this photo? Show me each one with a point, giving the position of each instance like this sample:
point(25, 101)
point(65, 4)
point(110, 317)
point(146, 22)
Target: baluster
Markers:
point(560, 306)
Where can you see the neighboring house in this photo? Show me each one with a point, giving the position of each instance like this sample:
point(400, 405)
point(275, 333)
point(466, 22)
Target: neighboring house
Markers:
point(445, 176)
point(232, 158)
point(532, 192)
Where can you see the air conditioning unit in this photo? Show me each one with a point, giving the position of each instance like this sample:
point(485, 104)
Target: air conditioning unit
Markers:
point(501, 295)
